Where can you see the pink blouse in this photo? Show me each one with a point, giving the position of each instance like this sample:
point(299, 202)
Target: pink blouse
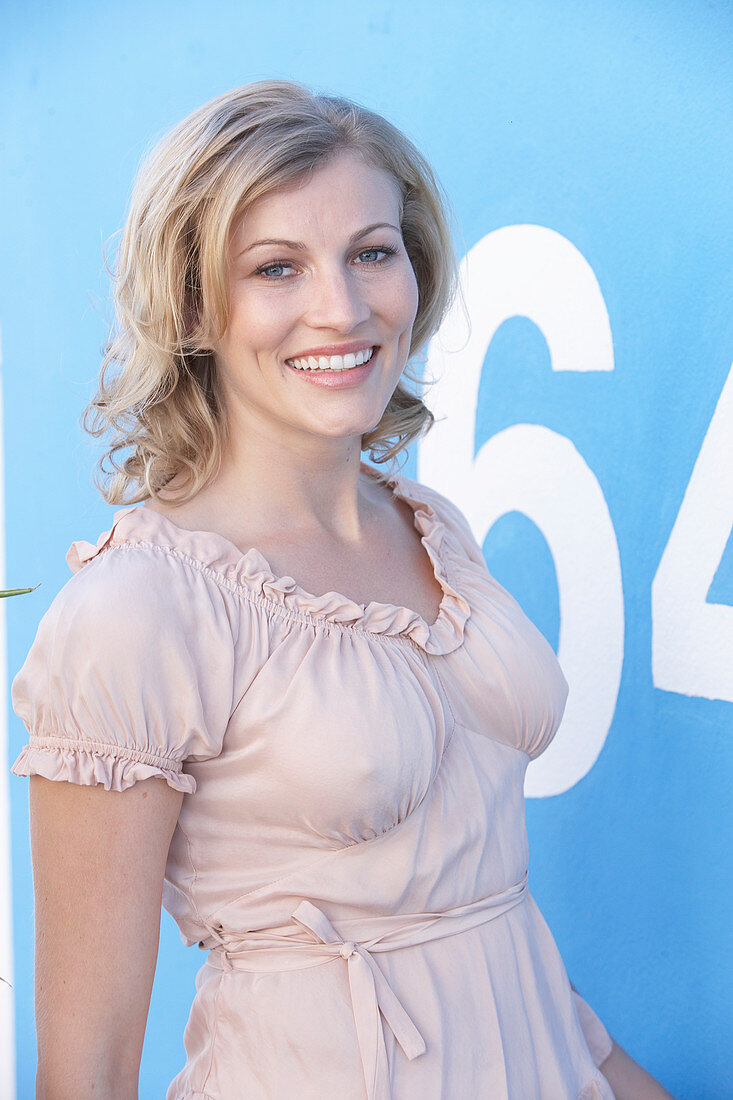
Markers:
point(351, 852)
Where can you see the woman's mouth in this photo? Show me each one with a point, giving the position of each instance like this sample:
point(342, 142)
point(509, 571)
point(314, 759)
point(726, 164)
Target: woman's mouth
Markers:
point(335, 371)
point(333, 362)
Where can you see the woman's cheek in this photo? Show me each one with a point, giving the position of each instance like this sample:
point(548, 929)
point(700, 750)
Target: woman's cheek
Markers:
point(412, 297)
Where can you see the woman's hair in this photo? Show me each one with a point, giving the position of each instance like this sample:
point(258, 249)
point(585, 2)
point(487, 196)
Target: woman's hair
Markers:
point(171, 278)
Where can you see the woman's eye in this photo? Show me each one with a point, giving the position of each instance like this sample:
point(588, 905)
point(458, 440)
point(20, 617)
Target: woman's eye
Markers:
point(267, 269)
point(373, 252)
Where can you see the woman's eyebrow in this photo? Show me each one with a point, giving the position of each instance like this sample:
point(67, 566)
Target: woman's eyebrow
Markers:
point(299, 246)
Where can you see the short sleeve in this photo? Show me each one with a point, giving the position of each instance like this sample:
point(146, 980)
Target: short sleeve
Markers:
point(130, 674)
point(597, 1038)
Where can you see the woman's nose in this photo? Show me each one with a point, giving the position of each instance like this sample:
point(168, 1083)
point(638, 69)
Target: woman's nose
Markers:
point(337, 301)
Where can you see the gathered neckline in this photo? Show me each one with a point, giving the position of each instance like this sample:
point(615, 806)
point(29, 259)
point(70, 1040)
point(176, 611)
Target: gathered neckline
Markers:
point(251, 572)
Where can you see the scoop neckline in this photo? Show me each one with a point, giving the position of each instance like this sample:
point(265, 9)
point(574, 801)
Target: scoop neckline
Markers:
point(251, 570)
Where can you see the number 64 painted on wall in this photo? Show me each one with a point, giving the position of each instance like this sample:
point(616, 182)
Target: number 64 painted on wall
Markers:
point(535, 272)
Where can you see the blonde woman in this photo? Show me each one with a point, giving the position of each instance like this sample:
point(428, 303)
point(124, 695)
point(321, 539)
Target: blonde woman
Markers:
point(282, 693)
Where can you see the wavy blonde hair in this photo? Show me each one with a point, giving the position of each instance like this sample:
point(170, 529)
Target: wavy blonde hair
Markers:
point(170, 283)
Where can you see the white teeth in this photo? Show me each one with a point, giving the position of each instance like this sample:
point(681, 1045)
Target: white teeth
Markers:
point(333, 362)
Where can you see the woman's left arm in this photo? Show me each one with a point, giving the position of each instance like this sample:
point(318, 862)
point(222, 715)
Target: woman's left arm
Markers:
point(629, 1080)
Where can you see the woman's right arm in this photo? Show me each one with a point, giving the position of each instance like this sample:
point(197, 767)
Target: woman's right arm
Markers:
point(99, 859)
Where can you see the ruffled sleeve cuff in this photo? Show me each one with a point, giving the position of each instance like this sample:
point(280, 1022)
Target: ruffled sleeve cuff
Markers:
point(599, 1041)
point(115, 766)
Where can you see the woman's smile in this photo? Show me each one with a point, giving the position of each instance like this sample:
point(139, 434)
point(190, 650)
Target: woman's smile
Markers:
point(332, 357)
point(336, 370)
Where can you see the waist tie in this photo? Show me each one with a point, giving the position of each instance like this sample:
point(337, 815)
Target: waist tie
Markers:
point(278, 949)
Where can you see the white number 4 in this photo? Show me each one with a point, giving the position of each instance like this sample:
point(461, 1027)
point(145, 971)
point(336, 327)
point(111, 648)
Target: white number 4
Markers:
point(692, 640)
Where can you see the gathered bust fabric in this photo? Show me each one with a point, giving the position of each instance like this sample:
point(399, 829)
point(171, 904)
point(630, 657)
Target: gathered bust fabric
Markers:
point(351, 850)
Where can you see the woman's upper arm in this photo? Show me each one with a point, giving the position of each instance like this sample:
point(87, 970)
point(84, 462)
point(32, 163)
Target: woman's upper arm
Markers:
point(98, 865)
point(130, 675)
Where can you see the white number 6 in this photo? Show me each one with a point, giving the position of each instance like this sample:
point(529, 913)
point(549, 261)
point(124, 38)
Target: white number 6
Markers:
point(534, 272)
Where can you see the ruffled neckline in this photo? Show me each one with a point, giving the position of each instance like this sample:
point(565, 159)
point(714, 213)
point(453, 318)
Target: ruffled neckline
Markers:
point(252, 572)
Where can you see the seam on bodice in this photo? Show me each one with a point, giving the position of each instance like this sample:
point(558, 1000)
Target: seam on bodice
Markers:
point(333, 853)
point(494, 740)
point(269, 606)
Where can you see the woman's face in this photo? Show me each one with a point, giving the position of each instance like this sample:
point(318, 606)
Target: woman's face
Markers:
point(318, 271)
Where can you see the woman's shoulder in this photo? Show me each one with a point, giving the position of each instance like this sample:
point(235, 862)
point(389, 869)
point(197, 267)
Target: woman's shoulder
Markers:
point(154, 546)
point(140, 527)
point(141, 578)
point(128, 585)
point(443, 510)
point(133, 667)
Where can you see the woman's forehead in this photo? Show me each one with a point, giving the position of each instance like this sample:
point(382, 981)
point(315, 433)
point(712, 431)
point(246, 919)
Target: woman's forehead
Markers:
point(343, 196)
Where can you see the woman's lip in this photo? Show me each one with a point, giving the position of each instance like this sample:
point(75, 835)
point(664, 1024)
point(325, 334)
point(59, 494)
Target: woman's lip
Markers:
point(333, 349)
point(337, 379)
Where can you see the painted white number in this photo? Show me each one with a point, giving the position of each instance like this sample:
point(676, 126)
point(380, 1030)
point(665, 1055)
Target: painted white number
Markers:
point(534, 272)
point(692, 641)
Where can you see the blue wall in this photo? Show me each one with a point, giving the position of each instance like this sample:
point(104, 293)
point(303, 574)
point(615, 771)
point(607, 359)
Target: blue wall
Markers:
point(607, 123)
